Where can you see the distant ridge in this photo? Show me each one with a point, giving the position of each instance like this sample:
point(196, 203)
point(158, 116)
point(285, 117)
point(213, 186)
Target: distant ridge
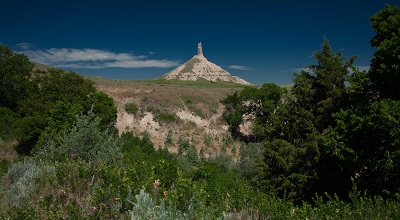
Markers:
point(199, 67)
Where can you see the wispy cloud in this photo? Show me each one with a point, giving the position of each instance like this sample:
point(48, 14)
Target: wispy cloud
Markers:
point(237, 67)
point(24, 46)
point(91, 58)
point(362, 68)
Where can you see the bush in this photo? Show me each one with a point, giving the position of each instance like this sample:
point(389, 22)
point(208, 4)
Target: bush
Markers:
point(19, 181)
point(184, 145)
point(7, 117)
point(167, 117)
point(168, 138)
point(4, 164)
point(78, 190)
point(131, 108)
point(146, 208)
point(83, 141)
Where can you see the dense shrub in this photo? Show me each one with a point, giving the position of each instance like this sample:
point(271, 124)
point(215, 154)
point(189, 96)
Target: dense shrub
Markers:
point(7, 117)
point(167, 117)
point(131, 108)
point(146, 208)
point(4, 164)
point(83, 141)
point(19, 181)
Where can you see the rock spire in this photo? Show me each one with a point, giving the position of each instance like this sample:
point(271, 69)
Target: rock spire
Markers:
point(199, 67)
point(200, 50)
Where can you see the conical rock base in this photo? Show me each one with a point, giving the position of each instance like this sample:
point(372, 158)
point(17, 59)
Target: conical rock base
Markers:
point(199, 67)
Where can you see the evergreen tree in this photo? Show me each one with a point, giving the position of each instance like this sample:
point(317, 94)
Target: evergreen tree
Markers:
point(385, 65)
point(322, 89)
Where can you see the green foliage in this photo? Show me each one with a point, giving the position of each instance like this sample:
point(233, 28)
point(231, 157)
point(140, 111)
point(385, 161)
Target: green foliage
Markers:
point(104, 108)
point(62, 117)
point(15, 74)
point(285, 165)
point(79, 190)
point(202, 156)
point(184, 145)
point(191, 155)
point(223, 189)
point(146, 208)
point(19, 181)
point(227, 140)
point(191, 103)
point(311, 153)
point(233, 114)
point(35, 110)
point(207, 140)
point(385, 72)
point(52, 104)
point(167, 117)
point(146, 163)
point(250, 163)
point(168, 138)
point(83, 141)
point(289, 170)
point(200, 83)
point(322, 90)
point(367, 146)
point(233, 151)
point(4, 165)
point(7, 118)
point(260, 103)
point(131, 108)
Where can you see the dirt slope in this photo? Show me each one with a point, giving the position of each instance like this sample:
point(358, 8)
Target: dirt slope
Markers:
point(174, 110)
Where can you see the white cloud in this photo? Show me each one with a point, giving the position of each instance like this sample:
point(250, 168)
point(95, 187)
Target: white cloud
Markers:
point(237, 67)
point(362, 68)
point(91, 58)
point(24, 46)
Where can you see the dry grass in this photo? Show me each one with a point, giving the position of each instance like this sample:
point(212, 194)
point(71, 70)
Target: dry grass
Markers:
point(196, 103)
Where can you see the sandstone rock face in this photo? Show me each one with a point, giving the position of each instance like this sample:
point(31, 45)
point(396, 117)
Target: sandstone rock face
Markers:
point(199, 67)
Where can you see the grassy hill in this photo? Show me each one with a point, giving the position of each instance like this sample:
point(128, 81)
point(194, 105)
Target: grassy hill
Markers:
point(173, 111)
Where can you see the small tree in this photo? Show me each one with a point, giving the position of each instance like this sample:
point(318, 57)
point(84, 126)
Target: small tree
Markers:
point(322, 89)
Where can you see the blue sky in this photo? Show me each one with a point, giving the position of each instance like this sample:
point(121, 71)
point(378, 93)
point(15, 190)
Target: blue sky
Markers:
point(260, 41)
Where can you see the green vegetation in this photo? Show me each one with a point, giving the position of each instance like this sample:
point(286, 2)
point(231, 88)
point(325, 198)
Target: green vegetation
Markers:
point(167, 118)
point(202, 83)
point(324, 136)
point(191, 103)
point(131, 108)
point(324, 150)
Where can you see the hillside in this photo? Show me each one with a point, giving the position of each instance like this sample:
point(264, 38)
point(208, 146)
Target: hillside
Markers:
point(173, 111)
